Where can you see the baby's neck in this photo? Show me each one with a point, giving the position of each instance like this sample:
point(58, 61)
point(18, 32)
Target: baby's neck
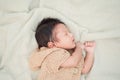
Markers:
point(70, 51)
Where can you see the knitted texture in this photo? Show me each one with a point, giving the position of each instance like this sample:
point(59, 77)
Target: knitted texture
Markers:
point(48, 60)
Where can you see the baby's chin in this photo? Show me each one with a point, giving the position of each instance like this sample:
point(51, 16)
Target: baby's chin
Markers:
point(72, 47)
point(68, 48)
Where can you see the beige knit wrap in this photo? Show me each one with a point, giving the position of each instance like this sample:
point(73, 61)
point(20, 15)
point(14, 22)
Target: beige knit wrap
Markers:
point(48, 60)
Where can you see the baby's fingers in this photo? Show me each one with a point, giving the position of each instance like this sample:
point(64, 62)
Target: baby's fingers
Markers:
point(89, 43)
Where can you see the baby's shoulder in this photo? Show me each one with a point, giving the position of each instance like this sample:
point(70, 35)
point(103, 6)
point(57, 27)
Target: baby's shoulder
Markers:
point(60, 51)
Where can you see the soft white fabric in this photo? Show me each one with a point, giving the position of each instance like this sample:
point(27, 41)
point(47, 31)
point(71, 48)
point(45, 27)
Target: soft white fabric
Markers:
point(87, 19)
point(5, 76)
point(95, 15)
point(34, 4)
point(14, 5)
point(106, 65)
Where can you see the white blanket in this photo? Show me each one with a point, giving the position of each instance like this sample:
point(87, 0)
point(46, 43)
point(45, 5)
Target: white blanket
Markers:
point(87, 19)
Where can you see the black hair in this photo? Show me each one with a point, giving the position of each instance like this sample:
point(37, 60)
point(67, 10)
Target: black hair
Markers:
point(44, 31)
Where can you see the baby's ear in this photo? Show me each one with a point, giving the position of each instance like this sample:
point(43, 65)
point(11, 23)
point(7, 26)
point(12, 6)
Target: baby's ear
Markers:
point(50, 44)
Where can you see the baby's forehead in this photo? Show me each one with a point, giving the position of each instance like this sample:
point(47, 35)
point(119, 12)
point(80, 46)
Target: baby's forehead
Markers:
point(61, 28)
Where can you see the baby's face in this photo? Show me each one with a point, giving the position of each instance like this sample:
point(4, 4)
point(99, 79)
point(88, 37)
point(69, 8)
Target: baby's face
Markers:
point(63, 37)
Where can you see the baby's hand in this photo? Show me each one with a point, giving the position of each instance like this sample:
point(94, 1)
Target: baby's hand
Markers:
point(89, 46)
point(78, 46)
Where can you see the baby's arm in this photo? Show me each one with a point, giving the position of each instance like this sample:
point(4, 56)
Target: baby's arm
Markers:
point(75, 58)
point(89, 58)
